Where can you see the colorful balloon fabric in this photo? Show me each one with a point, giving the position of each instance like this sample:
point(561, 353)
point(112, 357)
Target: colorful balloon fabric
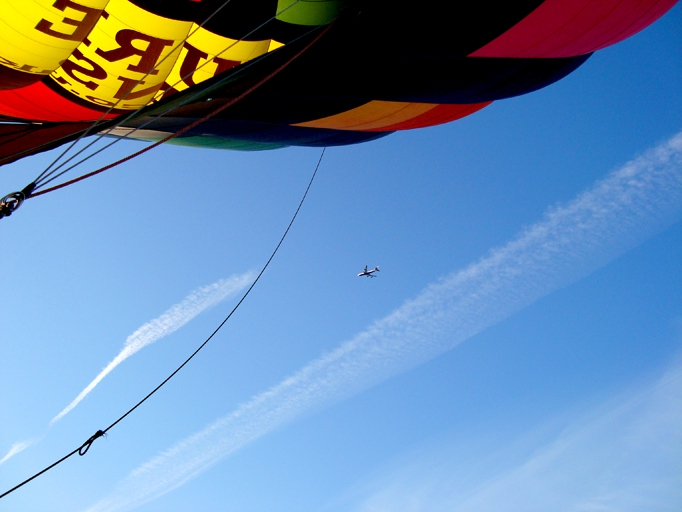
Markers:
point(379, 66)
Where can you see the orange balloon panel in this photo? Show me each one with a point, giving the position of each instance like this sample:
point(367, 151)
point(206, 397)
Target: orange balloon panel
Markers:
point(385, 116)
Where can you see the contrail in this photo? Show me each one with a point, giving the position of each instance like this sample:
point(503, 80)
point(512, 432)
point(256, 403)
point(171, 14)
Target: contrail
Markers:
point(169, 322)
point(16, 448)
point(630, 205)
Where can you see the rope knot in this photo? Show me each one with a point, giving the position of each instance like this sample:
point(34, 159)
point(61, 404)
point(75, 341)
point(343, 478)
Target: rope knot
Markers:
point(86, 445)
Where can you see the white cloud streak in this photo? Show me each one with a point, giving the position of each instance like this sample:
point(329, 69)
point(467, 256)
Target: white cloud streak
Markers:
point(16, 448)
point(169, 322)
point(627, 207)
point(623, 456)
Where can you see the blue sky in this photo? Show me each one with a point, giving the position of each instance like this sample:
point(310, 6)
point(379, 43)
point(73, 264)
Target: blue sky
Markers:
point(561, 393)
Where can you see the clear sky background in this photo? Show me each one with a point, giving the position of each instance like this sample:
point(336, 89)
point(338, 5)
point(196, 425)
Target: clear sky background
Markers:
point(573, 402)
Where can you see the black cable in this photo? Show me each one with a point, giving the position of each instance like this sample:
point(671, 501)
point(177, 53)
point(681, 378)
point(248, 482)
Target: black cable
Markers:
point(188, 99)
point(83, 449)
point(95, 123)
point(42, 179)
point(186, 127)
point(38, 182)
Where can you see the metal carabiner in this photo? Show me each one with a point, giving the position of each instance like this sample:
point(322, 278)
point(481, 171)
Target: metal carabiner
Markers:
point(11, 202)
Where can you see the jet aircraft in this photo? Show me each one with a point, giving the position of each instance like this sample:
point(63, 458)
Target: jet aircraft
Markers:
point(368, 273)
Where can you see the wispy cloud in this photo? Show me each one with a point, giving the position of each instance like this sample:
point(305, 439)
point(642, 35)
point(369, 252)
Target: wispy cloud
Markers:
point(16, 448)
point(178, 315)
point(622, 456)
point(169, 322)
point(627, 207)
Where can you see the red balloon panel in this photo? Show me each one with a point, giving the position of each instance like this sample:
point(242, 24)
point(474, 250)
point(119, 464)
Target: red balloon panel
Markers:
point(560, 28)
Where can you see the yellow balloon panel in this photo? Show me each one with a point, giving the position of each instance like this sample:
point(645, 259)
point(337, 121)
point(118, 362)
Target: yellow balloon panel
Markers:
point(205, 55)
point(126, 44)
point(37, 35)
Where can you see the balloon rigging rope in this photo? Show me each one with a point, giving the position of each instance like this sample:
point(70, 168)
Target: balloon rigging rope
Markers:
point(83, 449)
point(42, 179)
point(122, 120)
point(45, 173)
point(182, 130)
point(185, 101)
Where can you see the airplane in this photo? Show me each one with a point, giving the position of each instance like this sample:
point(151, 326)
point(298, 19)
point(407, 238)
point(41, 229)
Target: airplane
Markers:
point(368, 273)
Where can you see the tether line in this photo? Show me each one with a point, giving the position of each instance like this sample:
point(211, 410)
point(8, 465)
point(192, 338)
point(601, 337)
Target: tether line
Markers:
point(40, 181)
point(185, 128)
point(112, 107)
point(83, 448)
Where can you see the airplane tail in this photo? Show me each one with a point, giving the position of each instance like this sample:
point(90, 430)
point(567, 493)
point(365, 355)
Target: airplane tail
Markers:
point(376, 268)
